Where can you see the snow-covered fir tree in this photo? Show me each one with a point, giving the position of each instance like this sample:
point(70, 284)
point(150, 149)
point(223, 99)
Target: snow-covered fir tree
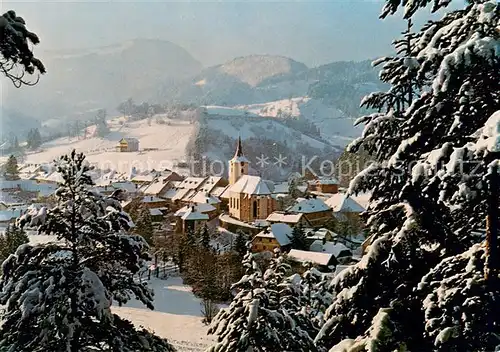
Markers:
point(144, 224)
point(298, 239)
point(11, 240)
point(256, 319)
point(421, 286)
point(58, 296)
point(239, 244)
point(315, 290)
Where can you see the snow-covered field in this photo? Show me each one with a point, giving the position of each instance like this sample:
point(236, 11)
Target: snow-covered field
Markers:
point(169, 142)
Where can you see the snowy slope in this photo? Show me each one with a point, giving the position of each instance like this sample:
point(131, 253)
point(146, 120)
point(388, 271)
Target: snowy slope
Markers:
point(263, 128)
point(177, 315)
point(168, 141)
point(333, 125)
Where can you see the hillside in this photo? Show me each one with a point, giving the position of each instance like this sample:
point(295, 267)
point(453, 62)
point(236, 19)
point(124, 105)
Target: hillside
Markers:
point(259, 79)
point(164, 142)
point(262, 137)
point(168, 142)
point(334, 125)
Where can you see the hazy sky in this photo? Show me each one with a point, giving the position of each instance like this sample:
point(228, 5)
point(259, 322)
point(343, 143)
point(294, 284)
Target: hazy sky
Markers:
point(312, 32)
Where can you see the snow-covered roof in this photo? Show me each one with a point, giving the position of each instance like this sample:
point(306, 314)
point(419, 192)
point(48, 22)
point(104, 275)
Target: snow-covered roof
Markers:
point(339, 202)
point(193, 214)
point(144, 178)
point(319, 234)
point(286, 217)
point(53, 177)
point(309, 205)
point(29, 169)
point(330, 247)
point(192, 182)
point(280, 232)
point(151, 199)
point(9, 214)
point(156, 187)
point(325, 181)
point(125, 185)
point(281, 188)
point(201, 197)
point(155, 212)
point(130, 140)
point(179, 193)
point(252, 185)
point(188, 195)
point(312, 257)
point(209, 183)
point(200, 208)
point(218, 191)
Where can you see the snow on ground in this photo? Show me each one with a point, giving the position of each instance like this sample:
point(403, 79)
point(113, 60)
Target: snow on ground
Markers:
point(177, 315)
point(168, 142)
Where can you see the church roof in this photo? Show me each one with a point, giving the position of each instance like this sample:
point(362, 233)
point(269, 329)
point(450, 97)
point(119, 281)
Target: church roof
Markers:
point(252, 185)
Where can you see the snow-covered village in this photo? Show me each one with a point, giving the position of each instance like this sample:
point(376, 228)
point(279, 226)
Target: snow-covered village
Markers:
point(200, 190)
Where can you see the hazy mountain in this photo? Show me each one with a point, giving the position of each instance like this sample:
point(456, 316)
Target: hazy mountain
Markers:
point(244, 80)
point(15, 123)
point(81, 80)
point(262, 78)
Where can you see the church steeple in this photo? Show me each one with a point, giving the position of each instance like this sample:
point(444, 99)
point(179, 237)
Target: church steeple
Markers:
point(238, 165)
point(239, 149)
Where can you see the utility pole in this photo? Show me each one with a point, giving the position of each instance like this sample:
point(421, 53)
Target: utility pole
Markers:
point(492, 268)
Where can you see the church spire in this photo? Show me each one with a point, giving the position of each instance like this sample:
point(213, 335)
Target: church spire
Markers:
point(239, 149)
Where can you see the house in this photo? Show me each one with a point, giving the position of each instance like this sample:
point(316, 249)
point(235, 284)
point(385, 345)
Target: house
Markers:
point(157, 214)
point(275, 236)
point(315, 210)
point(206, 198)
point(292, 219)
point(341, 203)
point(128, 144)
point(344, 207)
point(321, 234)
point(157, 188)
point(154, 202)
point(325, 262)
point(339, 250)
point(323, 185)
point(190, 218)
point(9, 215)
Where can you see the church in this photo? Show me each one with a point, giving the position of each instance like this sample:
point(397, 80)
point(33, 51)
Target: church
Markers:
point(249, 197)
